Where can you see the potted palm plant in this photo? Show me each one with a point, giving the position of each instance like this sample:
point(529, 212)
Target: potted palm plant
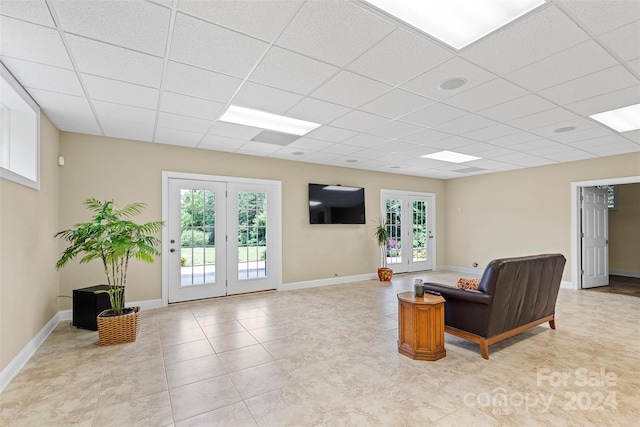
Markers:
point(381, 234)
point(113, 239)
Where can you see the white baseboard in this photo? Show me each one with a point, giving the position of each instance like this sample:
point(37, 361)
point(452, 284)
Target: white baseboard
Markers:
point(567, 285)
point(325, 282)
point(20, 360)
point(623, 273)
point(465, 270)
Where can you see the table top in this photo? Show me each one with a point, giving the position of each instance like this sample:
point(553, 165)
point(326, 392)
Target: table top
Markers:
point(426, 299)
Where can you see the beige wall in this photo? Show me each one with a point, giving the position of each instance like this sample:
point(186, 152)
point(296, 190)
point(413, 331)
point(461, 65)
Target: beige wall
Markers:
point(624, 231)
point(520, 212)
point(28, 279)
point(129, 171)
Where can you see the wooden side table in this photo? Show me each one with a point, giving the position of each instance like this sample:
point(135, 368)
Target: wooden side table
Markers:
point(421, 326)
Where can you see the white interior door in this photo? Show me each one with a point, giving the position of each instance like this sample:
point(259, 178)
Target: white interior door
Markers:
point(223, 238)
point(411, 225)
point(595, 237)
point(197, 251)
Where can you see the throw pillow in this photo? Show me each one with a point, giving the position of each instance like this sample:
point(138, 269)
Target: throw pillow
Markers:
point(468, 284)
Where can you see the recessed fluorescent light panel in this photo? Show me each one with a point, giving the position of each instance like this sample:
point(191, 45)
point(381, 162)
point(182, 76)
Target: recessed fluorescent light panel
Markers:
point(622, 119)
point(450, 156)
point(457, 23)
point(264, 120)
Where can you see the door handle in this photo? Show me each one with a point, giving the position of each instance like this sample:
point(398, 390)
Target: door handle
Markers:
point(172, 250)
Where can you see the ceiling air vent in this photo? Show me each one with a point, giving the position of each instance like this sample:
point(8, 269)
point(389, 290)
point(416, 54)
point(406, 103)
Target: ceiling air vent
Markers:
point(277, 138)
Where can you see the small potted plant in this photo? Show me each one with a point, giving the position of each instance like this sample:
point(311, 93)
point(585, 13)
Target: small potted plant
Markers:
point(113, 239)
point(381, 233)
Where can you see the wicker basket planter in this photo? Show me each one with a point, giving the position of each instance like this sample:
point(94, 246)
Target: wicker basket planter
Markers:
point(118, 329)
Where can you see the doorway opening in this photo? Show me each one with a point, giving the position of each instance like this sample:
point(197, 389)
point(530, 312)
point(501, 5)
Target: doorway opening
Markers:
point(578, 262)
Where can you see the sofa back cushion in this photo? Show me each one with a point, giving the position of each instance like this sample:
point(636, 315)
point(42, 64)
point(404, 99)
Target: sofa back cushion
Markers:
point(524, 289)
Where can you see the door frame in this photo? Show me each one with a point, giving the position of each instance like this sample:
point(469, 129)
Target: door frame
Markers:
point(382, 210)
point(576, 190)
point(277, 226)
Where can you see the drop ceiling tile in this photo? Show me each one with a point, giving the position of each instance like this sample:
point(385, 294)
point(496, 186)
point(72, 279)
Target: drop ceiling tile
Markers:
point(491, 132)
point(364, 140)
point(350, 89)
point(184, 105)
point(519, 107)
point(511, 157)
point(544, 33)
point(582, 135)
point(262, 19)
point(332, 134)
point(359, 121)
point(39, 76)
point(32, 43)
point(478, 149)
point(493, 151)
point(233, 130)
point(570, 156)
point(62, 108)
point(543, 118)
point(549, 150)
point(258, 148)
point(465, 124)
point(125, 113)
point(598, 83)
point(607, 101)
point(613, 149)
point(290, 71)
point(369, 155)
point(120, 92)
point(425, 137)
point(341, 149)
point(175, 121)
point(36, 12)
point(396, 103)
point(635, 65)
point(633, 136)
point(305, 143)
point(486, 95)
point(550, 130)
point(201, 83)
point(451, 143)
point(396, 146)
point(136, 25)
point(578, 61)
point(221, 143)
point(319, 157)
point(89, 127)
point(516, 138)
point(139, 132)
point(533, 161)
point(394, 129)
point(226, 51)
point(335, 32)
point(492, 165)
point(602, 16)
point(433, 115)
point(598, 142)
point(114, 62)
point(427, 84)
point(182, 138)
point(624, 42)
point(399, 57)
point(534, 145)
point(317, 111)
point(265, 98)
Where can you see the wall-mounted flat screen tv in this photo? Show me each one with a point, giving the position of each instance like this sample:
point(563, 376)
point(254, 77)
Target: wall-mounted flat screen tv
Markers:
point(336, 204)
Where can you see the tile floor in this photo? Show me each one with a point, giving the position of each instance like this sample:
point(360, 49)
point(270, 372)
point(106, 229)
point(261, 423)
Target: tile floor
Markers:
point(327, 356)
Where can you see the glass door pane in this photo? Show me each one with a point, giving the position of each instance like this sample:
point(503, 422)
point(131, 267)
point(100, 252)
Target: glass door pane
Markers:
point(252, 235)
point(394, 226)
point(419, 231)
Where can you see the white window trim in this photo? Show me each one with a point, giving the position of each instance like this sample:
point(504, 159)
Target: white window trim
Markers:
point(7, 173)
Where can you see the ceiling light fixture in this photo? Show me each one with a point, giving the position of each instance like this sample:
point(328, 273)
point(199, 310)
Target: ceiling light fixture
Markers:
point(622, 119)
point(457, 23)
point(264, 120)
point(453, 83)
point(450, 156)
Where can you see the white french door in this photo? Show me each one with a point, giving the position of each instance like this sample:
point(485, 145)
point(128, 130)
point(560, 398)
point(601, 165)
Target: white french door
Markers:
point(411, 224)
point(595, 237)
point(222, 238)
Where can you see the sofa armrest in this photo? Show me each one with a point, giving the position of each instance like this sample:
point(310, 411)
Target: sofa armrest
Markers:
point(459, 294)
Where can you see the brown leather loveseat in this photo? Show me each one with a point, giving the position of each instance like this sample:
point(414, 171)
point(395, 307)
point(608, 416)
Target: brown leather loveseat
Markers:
point(514, 294)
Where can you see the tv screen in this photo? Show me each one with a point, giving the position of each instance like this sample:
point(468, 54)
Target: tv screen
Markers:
point(336, 204)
